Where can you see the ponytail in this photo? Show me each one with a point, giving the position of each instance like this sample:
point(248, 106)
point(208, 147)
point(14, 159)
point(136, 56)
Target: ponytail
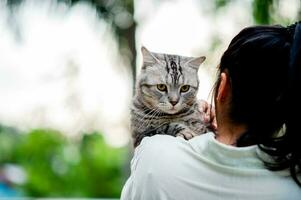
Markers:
point(286, 149)
point(294, 103)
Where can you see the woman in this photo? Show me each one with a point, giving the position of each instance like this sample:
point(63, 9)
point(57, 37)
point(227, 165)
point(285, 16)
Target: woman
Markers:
point(256, 152)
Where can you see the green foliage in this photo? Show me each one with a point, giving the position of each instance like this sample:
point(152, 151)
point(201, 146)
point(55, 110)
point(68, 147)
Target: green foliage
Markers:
point(8, 142)
point(56, 166)
point(262, 10)
point(221, 3)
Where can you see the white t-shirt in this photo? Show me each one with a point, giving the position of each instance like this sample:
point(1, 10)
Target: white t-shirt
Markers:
point(165, 168)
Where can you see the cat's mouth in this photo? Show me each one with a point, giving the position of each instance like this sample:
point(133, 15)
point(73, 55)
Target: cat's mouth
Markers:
point(171, 110)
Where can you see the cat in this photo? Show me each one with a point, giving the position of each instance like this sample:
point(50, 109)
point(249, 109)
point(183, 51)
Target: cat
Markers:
point(165, 97)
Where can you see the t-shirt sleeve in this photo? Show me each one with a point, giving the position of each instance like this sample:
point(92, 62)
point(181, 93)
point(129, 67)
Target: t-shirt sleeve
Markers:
point(144, 182)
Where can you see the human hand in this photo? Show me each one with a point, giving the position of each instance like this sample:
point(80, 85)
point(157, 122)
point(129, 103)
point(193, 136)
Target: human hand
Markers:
point(208, 114)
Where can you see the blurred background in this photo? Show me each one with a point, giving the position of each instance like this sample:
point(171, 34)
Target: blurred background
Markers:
point(67, 70)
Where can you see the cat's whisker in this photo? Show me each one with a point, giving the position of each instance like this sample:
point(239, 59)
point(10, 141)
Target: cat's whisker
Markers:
point(150, 114)
point(146, 123)
point(153, 114)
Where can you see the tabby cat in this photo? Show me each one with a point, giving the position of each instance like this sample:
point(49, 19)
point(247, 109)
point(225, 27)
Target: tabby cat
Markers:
point(165, 97)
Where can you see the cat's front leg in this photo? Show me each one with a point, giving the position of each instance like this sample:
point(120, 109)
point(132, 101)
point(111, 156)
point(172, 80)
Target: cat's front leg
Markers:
point(178, 129)
point(186, 133)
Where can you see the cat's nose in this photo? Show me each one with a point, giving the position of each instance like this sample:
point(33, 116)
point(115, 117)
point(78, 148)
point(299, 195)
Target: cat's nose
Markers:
point(173, 102)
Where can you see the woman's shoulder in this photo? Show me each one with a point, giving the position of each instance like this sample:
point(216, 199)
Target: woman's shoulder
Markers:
point(160, 147)
point(157, 162)
point(160, 157)
point(160, 142)
point(162, 151)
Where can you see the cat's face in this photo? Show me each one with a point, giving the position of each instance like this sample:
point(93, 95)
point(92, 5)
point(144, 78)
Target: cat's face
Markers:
point(168, 83)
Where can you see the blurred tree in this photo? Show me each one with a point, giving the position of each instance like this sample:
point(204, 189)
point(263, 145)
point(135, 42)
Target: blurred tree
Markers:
point(56, 166)
point(263, 10)
point(8, 140)
point(220, 3)
point(119, 13)
point(88, 168)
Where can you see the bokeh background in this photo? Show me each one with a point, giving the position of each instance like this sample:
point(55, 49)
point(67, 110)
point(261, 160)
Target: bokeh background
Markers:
point(67, 70)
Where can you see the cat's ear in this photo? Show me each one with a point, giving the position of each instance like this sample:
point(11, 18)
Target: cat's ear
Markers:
point(196, 62)
point(148, 57)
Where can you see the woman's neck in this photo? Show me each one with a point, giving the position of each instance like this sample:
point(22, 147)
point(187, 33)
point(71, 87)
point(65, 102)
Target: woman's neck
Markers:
point(229, 133)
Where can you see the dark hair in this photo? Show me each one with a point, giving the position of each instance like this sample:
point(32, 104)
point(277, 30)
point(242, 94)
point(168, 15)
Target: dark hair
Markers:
point(263, 64)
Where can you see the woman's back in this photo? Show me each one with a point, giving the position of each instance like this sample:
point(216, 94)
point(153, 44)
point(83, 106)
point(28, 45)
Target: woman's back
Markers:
point(165, 167)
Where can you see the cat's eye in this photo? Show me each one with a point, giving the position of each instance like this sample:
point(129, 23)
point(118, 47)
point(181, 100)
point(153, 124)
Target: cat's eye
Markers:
point(185, 88)
point(162, 87)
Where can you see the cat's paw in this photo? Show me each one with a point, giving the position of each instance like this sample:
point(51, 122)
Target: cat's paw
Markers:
point(187, 134)
point(207, 114)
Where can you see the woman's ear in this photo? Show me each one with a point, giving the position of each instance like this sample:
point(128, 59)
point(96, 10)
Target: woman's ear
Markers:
point(223, 88)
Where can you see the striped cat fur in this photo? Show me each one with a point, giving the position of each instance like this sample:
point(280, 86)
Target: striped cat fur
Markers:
point(165, 97)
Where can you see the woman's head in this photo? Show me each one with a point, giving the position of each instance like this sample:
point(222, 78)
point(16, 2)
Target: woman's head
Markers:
point(256, 64)
point(258, 68)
